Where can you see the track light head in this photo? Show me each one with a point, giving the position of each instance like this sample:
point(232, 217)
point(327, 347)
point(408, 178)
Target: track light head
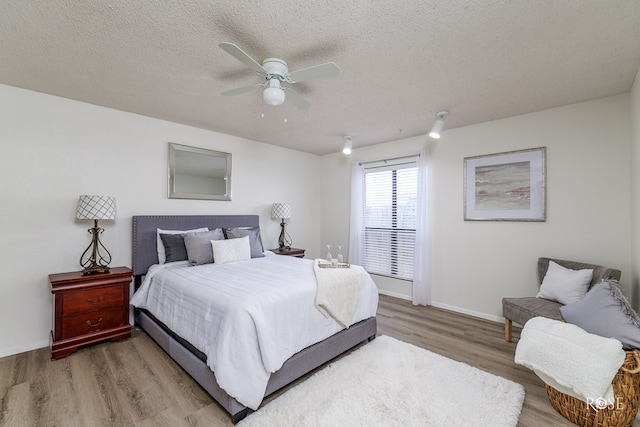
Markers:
point(436, 130)
point(348, 144)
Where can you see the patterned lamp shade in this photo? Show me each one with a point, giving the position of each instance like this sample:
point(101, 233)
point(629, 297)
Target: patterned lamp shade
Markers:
point(96, 207)
point(281, 211)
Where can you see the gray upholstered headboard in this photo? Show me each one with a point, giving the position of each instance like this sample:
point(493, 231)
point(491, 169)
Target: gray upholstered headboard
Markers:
point(145, 252)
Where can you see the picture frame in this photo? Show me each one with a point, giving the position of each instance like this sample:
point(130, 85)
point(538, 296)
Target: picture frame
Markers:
point(509, 186)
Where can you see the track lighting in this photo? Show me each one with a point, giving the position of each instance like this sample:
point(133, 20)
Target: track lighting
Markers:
point(273, 94)
point(347, 145)
point(438, 125)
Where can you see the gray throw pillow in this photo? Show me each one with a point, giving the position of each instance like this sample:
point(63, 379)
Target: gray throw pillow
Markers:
point(255, 241)
point(198, 245)
point(605, 311)
point(174, 247)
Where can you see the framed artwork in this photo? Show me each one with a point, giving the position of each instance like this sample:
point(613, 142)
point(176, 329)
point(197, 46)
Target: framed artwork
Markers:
point(506, 186)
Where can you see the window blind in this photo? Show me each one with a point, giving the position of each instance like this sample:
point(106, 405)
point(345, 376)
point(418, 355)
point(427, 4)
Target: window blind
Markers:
point(389, 219)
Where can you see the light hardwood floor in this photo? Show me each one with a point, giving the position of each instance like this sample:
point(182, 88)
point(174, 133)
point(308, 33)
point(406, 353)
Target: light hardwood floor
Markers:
point(135, 383)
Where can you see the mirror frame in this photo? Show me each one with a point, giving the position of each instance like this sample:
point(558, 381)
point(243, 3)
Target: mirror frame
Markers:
point(173, 194)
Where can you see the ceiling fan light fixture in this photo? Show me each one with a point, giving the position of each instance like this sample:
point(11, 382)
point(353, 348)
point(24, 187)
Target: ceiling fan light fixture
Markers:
point(273, 94)
point(275, 70)
point(348, 144)
point(438, 126)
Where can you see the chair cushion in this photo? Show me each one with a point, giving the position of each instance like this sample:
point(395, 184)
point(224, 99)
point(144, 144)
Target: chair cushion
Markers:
point(520, 310)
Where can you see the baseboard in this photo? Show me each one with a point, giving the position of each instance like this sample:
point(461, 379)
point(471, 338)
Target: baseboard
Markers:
point(4, 352)
point(394, 294)
point(17, 350)
point(498, 319)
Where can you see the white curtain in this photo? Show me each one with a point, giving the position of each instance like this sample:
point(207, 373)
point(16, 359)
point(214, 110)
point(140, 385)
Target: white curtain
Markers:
point(422, 256)
point(355, 228)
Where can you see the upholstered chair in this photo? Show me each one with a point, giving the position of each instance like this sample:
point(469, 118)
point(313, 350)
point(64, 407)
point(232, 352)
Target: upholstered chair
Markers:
point(520, 310)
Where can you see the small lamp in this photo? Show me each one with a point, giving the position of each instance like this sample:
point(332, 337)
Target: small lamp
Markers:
point(96, 258)
point(282, 211)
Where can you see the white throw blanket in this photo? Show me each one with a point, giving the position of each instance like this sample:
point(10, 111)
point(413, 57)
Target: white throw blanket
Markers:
point(338, 291)
point(570, 359)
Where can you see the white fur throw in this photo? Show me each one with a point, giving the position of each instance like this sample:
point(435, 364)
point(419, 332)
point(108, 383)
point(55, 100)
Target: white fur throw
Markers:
point(338, 291)
point(570, 359)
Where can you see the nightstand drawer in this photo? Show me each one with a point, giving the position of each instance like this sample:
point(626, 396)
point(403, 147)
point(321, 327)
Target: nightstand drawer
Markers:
point(85, 323)
point(92, 299)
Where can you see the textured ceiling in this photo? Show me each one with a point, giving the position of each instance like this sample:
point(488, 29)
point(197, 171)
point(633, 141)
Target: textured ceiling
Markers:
point(400, 61)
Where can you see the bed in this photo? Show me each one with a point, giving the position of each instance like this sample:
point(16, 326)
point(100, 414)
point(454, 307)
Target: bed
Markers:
point(199, 359)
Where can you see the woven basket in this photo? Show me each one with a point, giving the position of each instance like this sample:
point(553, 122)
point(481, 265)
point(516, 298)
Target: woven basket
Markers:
point(626, 390)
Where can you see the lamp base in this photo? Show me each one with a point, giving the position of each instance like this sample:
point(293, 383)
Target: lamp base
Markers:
point(93, 259)
point(95, 269)
point(284, 241)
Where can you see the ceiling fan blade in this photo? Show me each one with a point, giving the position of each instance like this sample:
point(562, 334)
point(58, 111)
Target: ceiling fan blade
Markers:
point(243, 89)
point(241, 56)
point(321, 71)
point(296, 99)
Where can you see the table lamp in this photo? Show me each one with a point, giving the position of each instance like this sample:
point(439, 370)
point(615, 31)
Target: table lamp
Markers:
point(282, 211)
point(96, 258)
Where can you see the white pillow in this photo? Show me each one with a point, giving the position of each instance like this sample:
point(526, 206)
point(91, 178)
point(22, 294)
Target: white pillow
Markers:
point(231, 250)
point(162, 257)
point(564, 285)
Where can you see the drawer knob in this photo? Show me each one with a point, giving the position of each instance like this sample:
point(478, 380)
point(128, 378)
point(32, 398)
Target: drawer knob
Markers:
point(93, 325)
point(92, 302)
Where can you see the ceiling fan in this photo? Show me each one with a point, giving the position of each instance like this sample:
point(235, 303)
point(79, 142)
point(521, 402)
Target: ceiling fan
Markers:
point(275, 71)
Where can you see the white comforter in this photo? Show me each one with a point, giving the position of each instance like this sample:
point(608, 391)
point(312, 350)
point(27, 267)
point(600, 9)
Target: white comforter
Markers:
point(248, 317)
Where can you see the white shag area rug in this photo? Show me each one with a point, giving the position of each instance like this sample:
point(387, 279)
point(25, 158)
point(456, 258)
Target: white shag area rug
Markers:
point(391, 383)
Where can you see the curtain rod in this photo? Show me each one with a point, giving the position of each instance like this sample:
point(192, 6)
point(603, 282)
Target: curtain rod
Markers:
point(390, 160)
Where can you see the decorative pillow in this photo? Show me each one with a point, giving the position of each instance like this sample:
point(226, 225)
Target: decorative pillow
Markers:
point(605, 311)
point(174, 248)
point(160, 245)
point(564, 285)
point(231, 250)
point(255, 241)
point(198, 245)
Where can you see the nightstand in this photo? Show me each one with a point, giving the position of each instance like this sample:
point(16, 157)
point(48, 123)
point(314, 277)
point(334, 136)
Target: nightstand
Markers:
point(89, 309)
point(295, 252)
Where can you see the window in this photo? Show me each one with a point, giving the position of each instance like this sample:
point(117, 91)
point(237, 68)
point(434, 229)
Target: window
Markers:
point(389, 219)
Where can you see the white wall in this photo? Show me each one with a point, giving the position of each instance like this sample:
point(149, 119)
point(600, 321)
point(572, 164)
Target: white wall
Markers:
point(54, 149)
point(635, 186)
point(475, 264)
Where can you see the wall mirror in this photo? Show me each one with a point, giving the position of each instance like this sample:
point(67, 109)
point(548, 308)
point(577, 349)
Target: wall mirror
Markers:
point(198, 173)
